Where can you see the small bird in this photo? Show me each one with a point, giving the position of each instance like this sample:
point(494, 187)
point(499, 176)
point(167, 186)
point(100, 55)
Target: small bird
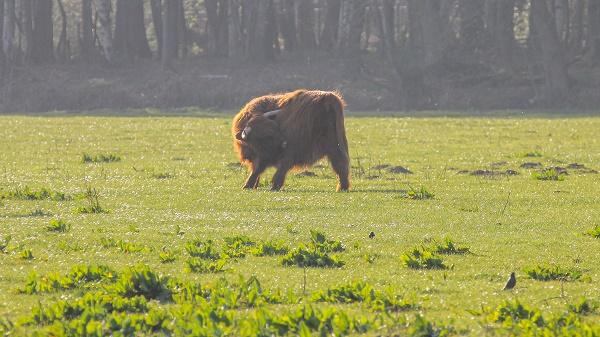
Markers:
point(511, 283)
point(371, 235)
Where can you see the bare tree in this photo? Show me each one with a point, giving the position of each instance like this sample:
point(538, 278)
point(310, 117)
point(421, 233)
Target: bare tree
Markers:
point(552, 53)
point(87, 30)
point(8, 31)
point(130, 39)
point(156, 9)
point(329, 35)
point(169, 31)
point(306, 24)
point(287, 22)
point(594, 30)
point(104, 28)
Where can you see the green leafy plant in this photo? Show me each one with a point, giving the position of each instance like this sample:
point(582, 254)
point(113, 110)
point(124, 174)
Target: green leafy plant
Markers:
point(364, 293)
point(58, 226)
point(548, 174)
point(422, 258)
point(549, 273)
point(582, 306)
point(142, 281)
point(78, 276)
point(423, 327)
point(320, 242)
point(269, 248)
point(92, 197)
point(449, 247)
point(100, 158)
point(202, 249)
point(198, 265)
point(595, 232)
point(27, 193)
point(26, 254)
point(304, 256)
point(420, 193)
point(167, 256)
point(238, 246)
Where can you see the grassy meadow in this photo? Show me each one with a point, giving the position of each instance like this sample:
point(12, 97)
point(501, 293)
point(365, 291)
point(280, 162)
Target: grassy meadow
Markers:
point(133, 202)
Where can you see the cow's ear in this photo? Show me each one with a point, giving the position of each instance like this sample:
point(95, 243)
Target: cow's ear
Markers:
point(238, 135)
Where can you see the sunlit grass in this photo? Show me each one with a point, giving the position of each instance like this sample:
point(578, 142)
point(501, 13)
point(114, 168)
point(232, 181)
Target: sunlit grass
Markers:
point(177, 183)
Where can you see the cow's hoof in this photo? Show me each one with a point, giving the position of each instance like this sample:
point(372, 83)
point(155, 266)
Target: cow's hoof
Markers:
point(342, 188)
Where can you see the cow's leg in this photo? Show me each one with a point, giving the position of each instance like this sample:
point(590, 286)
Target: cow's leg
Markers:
point(341, 165)
point(254, 178)
point(279, 177)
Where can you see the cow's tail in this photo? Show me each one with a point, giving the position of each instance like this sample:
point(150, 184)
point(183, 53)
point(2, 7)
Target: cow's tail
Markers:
point(335, 105)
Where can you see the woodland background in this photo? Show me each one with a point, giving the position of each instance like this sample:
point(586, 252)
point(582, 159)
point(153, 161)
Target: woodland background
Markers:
point(381, 54)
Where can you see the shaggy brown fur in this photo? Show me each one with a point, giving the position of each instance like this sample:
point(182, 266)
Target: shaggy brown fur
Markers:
point(311, 125)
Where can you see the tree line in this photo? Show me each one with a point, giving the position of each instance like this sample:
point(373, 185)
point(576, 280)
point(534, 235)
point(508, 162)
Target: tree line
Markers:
point(413, 38)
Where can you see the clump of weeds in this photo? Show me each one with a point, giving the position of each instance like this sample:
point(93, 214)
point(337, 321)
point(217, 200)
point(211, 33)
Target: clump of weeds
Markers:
point(420, 193)
point(422, 258)
point(315, 253)
point(449, 247)
point(27, 193)
point(92, 200)
point(58, 226)
point(550, 273)
point(548, 174)
point(167, 255)
point(198, 265)
point(26, 254)
point(100, 158)
point(595, 232)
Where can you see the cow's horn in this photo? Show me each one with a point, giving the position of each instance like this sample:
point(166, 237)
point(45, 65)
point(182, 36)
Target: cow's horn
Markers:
point(270, 114)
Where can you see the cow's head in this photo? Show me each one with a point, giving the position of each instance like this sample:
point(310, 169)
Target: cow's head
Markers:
point(264, 135)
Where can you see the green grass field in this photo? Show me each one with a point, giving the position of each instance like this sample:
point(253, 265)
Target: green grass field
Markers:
point(173, 180)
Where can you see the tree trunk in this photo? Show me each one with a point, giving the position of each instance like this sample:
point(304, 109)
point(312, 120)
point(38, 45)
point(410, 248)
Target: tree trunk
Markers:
point(182, 32)
point(472, 32)
point(169, 44)
point(218, 28)
point(552, 53)
point(260, 44)
point(27, 26)
point(501, 30)
point(62, 50)
point(356, 28)
point(561, 17)
point(329, 36)
point(576, 36)
point(156, 9)
point(87, 30)
point(594, 31)
point(2, 59)
point(130, 39)
point(42, 49)
point(8, 32)
point(235, 35)
point(287, 22)
point(103, 28)
point(386, 16)
point(306, 24)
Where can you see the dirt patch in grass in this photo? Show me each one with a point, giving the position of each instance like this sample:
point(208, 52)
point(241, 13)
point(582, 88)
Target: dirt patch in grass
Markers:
point(489, 173)
point(399, 170)
point(529, 165)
